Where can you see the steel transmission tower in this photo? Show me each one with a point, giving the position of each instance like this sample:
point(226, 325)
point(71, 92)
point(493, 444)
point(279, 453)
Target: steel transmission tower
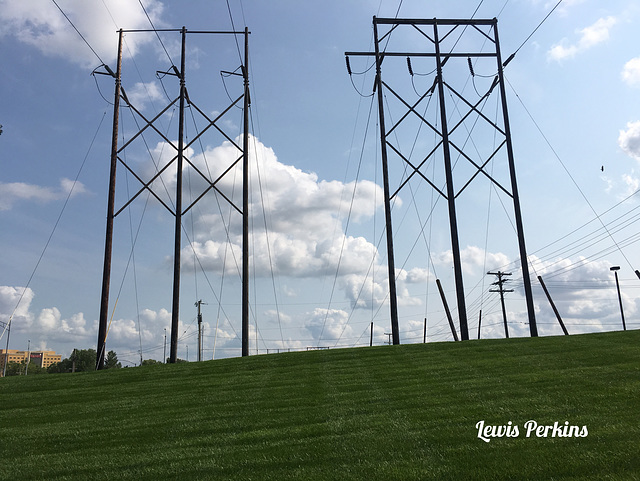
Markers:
point(442, 53)
point(179, 162)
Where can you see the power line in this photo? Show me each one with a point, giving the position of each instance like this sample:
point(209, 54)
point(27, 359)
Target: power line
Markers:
point(66, 202)
point(555, 153)
point(156, 32)
point(78, 31)
point(532, 33)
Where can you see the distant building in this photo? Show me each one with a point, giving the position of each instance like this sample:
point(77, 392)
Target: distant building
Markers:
point(40, 358)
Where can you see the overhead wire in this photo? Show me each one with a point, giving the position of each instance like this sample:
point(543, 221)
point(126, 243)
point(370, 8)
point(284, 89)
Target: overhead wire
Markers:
point(78, 32)
point(557, 156)
point(344, 237)
point(56, 224)
point(156, 32)
point(135, 276)
point(534, 30)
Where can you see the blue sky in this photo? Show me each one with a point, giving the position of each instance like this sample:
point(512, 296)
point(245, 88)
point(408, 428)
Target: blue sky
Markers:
point(318, 269)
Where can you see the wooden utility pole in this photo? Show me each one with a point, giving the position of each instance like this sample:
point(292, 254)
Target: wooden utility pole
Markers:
point(198, 304)
point(500, 283)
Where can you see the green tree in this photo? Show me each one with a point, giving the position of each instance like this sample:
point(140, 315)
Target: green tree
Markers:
point(20, 368)
point(84, 359)
point(112, 361)
point(150, 362)
point(14, 368)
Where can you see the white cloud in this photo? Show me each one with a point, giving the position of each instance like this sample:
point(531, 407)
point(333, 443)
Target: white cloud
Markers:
point(632, 183)
point(305, 218)
point(590, 36)
point(142, 94)
point(631, 72)
point(39, 23)
point(328, 324)
point(474, 259)
point(16, 299)
point(584, 292)
point(10, 193)
point(629, 140)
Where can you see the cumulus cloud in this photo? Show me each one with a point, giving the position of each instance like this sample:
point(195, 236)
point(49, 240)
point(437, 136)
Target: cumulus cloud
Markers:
point(474, 259)
point(631, 72)
point(584, 291)
point(305, 217)
point(13, 192)
point(589, 37)
point(15, 301)
point(629, 140)
point(329, 324)
point(365, 293)
point(39, 23)
point(144, 93)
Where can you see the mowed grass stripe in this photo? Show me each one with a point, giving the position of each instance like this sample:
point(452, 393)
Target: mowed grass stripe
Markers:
point(389, 412)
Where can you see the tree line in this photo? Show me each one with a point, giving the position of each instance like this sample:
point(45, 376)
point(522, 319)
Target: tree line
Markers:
point(80, 360)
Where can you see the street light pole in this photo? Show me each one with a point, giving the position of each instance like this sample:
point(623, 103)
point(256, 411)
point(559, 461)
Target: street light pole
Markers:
point(615, 270)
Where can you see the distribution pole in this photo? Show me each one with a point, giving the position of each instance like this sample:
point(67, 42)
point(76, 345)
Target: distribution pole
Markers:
point(175, 310)
point(198, 304)
point(500, 283)
point(7, 329)
point(108, 247)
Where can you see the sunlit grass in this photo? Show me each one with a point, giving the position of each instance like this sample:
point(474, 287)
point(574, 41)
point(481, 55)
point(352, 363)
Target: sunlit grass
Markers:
point(397, 412)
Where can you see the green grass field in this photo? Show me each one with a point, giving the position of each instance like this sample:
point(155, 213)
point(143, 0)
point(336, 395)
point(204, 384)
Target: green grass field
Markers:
point(383, 413)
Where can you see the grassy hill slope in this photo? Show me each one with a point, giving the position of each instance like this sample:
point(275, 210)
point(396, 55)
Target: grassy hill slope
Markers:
point(392, 412)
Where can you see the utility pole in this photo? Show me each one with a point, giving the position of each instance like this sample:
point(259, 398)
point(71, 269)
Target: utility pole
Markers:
point(164, 351)
point(7, 328)
point(500, 283)
point(108, 247)
point(393, 300)
point(371, 336)
point(198, 304)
